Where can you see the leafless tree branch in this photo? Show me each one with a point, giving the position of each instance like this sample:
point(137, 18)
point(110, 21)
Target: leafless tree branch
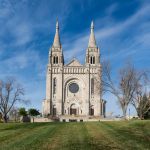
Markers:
point(10, 93)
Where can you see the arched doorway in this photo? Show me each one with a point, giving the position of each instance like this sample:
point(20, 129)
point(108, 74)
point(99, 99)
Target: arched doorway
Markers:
point(73, 109)
point(54, 110)
point(92, 110)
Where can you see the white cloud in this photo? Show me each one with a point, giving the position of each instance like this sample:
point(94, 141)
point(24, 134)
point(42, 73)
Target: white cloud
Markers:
point(122, 26)
point(23, 34)
point(111, 9)
point(21, 60)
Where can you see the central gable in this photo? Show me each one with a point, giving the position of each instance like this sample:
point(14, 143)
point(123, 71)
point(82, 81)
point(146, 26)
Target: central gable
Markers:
point(74, 62)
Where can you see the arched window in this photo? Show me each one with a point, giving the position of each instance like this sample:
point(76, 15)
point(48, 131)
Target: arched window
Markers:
point(55, 59)
point(92, 86)
point(54, 86)
point(92, 59)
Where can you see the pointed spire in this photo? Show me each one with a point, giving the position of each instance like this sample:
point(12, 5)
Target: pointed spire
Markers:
point(56, 42)
point(92, 41)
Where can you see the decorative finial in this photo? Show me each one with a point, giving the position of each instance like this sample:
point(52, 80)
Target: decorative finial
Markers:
point(92, 25)
point(57, 24)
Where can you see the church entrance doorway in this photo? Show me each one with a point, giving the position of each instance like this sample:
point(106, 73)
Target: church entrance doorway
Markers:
point(73, 109)
point(92, 110)
point(54, 110)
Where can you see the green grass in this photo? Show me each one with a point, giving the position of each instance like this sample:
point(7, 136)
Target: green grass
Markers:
point(133, 135)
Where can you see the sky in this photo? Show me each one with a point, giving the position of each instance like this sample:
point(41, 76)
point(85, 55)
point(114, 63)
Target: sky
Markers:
point(27, 28)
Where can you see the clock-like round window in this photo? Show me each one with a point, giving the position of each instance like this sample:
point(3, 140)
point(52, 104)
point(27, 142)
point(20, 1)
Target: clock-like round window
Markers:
point(73, 88)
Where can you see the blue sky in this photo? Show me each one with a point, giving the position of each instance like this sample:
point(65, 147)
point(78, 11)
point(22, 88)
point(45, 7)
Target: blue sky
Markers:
point(27, 28)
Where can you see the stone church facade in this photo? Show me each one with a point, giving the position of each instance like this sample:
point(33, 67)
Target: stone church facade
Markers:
point(74, 89)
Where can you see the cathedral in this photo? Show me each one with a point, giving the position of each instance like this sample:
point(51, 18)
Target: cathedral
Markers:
point(74, 89)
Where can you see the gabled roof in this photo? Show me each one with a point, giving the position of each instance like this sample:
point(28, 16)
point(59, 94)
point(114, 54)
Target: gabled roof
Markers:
point(74, 62)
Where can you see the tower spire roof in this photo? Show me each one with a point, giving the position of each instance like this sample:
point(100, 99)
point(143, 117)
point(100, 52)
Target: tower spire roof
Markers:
point(57, 42)
point(92, 41)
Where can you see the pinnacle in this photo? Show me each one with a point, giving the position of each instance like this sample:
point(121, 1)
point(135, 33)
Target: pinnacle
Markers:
point(57, 42)
point(92, 41)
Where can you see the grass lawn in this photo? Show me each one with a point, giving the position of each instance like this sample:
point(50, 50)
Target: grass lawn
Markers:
point(133, 135)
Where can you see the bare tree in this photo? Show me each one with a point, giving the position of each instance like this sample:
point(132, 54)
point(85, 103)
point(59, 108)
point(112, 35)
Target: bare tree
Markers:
point(14, 114)
point(141, 104)
point(129, 81)
point(10, 94)
point(125, 86)
point(141, 99)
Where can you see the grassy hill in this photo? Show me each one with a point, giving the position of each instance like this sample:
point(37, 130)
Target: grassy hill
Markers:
point(133, 135)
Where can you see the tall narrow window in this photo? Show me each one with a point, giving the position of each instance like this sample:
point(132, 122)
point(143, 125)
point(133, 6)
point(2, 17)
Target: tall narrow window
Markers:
point(54, 86)
point(92, 86)
point(55, 59)
point(92, 59)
